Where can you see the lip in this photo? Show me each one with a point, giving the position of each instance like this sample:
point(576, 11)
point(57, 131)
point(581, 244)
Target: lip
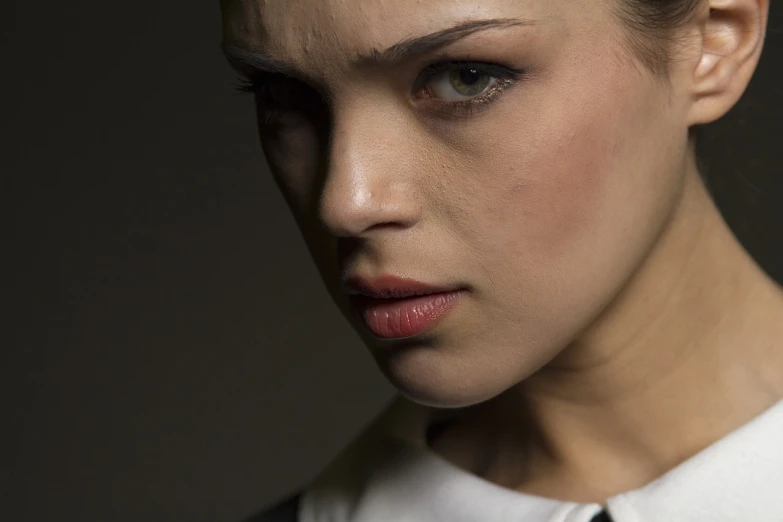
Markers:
point(396, 308)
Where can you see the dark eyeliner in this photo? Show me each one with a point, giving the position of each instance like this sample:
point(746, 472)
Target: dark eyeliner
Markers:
point(264, 88)
point(493, 69)
point(276, 97)
point(506, 77)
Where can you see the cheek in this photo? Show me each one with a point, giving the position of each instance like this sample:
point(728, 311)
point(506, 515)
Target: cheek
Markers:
point(546, 225)
point(293, 153)
point(559, 202)
point(569, 211)
point(549, 193)
point(297, 163)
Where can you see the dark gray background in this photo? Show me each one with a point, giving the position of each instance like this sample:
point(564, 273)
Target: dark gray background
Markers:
point(170, 353)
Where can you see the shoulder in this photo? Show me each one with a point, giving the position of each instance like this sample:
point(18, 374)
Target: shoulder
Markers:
point(284, 510)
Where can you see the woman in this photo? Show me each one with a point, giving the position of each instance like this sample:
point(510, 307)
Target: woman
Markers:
point(503, 198)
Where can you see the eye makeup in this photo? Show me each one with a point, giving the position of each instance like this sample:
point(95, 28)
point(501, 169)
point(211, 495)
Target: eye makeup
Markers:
point(278, 95)
point(501, 78)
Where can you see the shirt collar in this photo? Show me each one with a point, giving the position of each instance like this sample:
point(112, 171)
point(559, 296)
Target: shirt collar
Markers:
point(390, 474)
point(739, 477)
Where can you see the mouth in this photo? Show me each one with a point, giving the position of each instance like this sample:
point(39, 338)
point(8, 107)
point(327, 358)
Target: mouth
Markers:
point(399, 308)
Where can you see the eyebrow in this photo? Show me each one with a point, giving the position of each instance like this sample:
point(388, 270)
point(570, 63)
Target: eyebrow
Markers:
point(246, 60)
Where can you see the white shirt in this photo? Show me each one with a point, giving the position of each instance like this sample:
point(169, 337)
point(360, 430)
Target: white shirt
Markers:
point(389, 474)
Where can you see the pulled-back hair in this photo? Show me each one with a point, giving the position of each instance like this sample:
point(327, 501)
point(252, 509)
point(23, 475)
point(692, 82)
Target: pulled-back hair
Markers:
point(651, 26)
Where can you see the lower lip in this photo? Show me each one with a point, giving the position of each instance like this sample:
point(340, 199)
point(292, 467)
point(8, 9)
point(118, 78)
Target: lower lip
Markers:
point(401, 318)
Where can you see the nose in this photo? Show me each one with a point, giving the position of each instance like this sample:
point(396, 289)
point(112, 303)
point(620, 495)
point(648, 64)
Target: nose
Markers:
point(371, 175)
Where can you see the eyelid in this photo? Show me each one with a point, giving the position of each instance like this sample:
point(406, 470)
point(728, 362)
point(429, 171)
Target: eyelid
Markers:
point(269, 86)
point(493, 69)
point(505, 78)
point(266, 83)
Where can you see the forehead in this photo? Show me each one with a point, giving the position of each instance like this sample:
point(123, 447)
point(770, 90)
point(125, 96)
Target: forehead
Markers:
point(310, 33)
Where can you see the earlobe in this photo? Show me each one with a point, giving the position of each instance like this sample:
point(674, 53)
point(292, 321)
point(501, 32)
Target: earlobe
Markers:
point(732, 36)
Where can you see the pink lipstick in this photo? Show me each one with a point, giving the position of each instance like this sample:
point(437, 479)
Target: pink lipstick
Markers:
point(396, 308)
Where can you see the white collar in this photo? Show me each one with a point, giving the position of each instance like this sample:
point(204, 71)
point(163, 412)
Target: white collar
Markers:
point(389, 475)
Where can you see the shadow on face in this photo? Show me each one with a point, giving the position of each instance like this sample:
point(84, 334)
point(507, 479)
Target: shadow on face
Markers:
point(513, 150)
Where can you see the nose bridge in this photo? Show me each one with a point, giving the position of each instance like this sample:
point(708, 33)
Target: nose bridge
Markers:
point(368, 182)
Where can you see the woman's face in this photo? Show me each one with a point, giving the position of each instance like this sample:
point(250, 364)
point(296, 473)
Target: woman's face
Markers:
point(538, 192)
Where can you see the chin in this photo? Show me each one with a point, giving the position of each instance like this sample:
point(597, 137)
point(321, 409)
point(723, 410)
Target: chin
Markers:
point(432, 379)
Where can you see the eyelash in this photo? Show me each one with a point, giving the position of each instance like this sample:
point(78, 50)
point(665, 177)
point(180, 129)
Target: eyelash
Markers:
point(264, 90)
point(506, 77)
point(269, 113)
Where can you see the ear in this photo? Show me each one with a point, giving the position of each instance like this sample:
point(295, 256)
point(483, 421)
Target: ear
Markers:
point(731, 36)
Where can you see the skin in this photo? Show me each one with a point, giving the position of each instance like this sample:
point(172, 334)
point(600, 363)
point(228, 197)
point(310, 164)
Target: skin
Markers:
point(613, 326)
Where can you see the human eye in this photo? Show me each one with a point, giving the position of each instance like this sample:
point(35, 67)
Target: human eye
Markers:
point(462, 88)
point(280, 101)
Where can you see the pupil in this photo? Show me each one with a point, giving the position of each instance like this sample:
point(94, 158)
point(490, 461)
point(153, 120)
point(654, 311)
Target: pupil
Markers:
point(469, 76)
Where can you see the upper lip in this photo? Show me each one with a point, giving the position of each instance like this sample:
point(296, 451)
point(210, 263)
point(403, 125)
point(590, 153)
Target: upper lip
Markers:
point(388, 287)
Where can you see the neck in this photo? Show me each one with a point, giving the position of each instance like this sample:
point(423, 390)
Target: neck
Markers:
point(690, 350)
